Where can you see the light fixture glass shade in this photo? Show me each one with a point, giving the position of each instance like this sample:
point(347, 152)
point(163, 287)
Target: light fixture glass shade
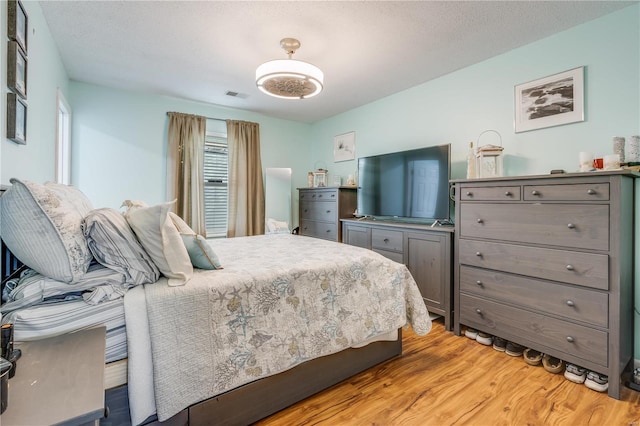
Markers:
point(289, 79)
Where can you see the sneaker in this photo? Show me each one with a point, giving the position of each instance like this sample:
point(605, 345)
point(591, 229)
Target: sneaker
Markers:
point(484, 338)
point(514, 349)
point(532, 357)
point(499, 344)
point(636, 376)
point(471, 333)
point(552, 364)
point(575, 373)
point(597, 382)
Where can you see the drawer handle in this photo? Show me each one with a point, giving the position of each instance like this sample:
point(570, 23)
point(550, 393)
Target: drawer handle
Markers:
point(313, 196)
point(508, 193)
point(328, 211)
point(570, 339)
point(571, 303)
point(478, 254)
point(571, 226)
point(320, 196)
point(591, 192)
point(328, 230)
point(534, 192)
point(333, 195)
point(306, 211)
point(479, 283)
point(469, 194)
point(386, 240)
point(569, 267)
point(479, 311)
point(479, 220)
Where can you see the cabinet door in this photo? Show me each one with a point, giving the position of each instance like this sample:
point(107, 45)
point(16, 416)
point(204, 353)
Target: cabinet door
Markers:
point(357, 235)
point(428, 260)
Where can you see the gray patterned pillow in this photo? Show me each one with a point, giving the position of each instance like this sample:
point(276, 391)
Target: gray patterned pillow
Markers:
point(114, 245)
point(42, 226)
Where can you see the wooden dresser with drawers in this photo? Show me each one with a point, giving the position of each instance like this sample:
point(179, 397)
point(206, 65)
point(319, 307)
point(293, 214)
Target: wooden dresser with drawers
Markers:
point(322, 208)
point(547, 262)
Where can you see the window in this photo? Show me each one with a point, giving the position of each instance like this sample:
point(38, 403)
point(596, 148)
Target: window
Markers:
point(63, 141)
point(216, 181)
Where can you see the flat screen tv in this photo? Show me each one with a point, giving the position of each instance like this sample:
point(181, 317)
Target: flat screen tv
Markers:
point(406, 186)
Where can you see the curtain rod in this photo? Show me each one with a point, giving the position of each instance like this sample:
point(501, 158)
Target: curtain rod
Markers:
point(208, 118)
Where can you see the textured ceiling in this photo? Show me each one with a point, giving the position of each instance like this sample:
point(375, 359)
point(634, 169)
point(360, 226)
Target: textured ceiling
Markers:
point(367, 49)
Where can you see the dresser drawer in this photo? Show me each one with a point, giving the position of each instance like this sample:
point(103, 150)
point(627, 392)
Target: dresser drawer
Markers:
point(567, 225)
point(387, 239)
point(525, 326)
point(573, 192)
point(579, 304)
point(319, 210)
point(319, 195)
point(491, 193)
point(392, 255)
point(585, 269)
point(328, 231)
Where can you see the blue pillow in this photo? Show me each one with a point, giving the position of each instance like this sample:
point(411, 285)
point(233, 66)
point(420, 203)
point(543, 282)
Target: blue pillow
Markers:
point(200, 252)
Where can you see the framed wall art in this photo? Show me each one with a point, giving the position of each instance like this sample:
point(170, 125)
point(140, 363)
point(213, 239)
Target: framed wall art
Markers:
point(17, 21)
point(16, 69)
point(550, 101)
point(344, 147)
point(16, 119)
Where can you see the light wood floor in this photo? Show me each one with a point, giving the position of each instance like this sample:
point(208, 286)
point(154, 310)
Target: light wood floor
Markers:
point(443, 379)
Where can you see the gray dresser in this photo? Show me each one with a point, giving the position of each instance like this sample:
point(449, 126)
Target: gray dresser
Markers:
point(426, 251)
point(322, 208)
point(547, 262)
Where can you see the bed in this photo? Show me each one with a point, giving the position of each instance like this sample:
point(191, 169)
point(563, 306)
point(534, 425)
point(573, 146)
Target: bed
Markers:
point(281, 318)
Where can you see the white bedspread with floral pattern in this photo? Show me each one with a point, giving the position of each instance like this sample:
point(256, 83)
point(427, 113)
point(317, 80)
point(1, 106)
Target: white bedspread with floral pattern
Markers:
point(279, 301)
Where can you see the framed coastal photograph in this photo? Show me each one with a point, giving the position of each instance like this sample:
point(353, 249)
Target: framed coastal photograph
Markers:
point(550, 101)
point(16, 119)
point(16, 69)
point(17, 21)
point(344, 147)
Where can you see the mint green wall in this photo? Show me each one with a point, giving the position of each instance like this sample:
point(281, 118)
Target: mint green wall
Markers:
point(456, 108)
point(45, 74)
point(120, 139)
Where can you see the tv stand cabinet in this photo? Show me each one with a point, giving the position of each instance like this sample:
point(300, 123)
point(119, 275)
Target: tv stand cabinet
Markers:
point(547, 262)
point(427, 252)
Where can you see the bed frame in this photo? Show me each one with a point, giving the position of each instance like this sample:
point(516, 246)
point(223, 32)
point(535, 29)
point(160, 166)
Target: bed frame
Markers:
point(256, 400)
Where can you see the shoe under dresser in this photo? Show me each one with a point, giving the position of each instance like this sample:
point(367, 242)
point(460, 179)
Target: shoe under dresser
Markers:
point(547, 262)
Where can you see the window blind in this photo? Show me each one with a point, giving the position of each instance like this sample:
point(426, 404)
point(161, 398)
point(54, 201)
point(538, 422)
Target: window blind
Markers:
point(216, 182)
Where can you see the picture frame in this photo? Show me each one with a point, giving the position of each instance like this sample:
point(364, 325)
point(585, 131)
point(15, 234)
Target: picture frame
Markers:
point(16, 119)
point(550, 101)
point(17, 23)
point(16, 70)
point(344, 147)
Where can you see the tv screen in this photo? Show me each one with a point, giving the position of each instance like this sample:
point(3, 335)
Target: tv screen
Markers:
point(410, 185)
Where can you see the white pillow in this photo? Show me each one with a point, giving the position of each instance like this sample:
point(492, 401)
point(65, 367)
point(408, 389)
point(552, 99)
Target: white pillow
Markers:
point(42, 226)
point(160, 238)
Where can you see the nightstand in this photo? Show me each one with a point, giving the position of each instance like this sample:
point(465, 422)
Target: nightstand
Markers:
point(59, 380)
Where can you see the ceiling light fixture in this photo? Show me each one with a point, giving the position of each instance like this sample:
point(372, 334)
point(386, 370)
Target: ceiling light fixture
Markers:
point(289, 78)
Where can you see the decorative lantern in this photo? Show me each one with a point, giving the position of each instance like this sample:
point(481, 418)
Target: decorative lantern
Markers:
point(320, 178)
point(489, 158)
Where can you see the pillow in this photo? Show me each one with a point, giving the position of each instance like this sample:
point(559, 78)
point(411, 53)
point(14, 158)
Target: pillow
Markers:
point(200, 252)
point(115, 246)
point(160, 238)
point(277, 227)
point(42, 226)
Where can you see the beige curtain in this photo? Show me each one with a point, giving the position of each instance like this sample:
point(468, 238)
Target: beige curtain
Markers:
point(246, 189)
point(185, 168)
